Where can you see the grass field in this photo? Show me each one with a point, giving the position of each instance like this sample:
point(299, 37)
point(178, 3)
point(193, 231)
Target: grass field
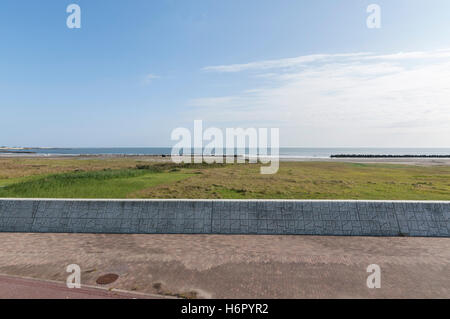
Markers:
point(135, 178)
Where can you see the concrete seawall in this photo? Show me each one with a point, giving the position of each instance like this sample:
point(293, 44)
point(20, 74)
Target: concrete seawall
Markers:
point(286, 217)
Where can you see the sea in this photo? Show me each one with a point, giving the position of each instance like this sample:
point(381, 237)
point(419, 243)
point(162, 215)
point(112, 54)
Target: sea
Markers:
point(284, 152)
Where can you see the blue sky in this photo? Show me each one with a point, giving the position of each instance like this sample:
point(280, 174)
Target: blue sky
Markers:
point(138, 69)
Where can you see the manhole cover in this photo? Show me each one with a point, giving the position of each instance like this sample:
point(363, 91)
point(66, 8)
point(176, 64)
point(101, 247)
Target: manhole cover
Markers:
point(107, 279)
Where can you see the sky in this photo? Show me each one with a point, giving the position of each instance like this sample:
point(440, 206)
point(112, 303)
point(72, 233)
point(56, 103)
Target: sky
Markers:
point(136, 70)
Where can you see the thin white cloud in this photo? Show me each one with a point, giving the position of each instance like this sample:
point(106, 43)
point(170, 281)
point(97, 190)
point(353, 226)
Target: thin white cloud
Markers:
point(150, 77)
point(280, 63)
point(321, 58)
point(437, 54)
point(343, 99)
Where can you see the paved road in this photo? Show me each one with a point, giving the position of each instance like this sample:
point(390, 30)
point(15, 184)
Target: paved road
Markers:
point(220, 266)
point(25, 288)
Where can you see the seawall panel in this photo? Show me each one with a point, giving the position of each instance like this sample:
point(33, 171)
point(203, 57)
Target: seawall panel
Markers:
point(285, 217)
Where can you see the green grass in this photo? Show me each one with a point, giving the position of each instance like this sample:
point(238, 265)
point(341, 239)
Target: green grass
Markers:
point(8, 181)
point(93, 184)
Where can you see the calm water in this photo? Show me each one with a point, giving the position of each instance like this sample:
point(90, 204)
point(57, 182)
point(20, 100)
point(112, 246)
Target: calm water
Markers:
point(285, 152)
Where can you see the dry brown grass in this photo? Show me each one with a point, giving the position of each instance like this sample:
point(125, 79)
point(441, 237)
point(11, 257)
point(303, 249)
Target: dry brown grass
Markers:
point(311, 180)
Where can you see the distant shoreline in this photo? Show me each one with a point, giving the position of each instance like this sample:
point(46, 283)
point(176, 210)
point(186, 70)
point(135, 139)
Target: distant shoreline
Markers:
point(18, 152)
point(15, 151)
point(422, 161)
point(386, 156)
point(285, 154)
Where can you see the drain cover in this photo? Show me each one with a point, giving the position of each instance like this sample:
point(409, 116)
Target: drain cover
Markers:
point(107, 279)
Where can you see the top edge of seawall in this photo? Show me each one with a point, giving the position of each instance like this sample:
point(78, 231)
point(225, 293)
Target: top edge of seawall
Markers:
point(223, 200)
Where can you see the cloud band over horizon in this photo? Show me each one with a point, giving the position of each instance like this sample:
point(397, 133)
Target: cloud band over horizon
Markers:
point(347, 99)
